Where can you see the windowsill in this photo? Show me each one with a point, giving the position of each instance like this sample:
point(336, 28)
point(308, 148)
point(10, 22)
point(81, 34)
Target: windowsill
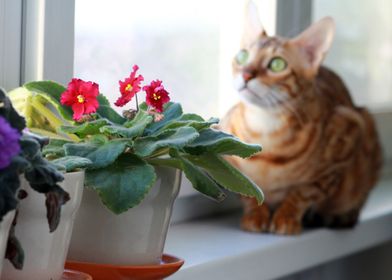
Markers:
point(217, 248)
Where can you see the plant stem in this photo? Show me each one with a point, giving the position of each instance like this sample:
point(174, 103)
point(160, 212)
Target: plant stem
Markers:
point(137, 103)
point(160, 152)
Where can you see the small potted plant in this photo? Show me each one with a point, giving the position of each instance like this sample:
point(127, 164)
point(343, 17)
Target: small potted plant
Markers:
point(136, 160)
point(9, 150)
point(39, 239)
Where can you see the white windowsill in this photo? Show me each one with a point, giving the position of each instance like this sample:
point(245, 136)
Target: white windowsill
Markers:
point(215, 248)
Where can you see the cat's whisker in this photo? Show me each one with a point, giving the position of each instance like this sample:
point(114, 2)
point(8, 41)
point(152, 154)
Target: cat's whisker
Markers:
point(269, 100)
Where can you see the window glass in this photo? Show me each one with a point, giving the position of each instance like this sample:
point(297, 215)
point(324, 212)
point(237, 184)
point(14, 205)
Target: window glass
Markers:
point(187, 44)
point(362, 50)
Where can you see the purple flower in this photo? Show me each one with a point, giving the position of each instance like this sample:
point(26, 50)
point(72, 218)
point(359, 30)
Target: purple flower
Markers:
point(9, 143)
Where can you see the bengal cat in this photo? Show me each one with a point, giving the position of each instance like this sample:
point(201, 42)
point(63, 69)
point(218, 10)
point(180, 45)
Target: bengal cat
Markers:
point(321, 154)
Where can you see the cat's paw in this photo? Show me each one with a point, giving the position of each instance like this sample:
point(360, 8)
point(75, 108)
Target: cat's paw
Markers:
point(256, 221)
point(285, 225)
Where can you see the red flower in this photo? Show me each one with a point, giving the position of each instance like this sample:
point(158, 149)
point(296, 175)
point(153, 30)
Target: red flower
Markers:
point(156, 95)
point(129, 87)
point(82, 97)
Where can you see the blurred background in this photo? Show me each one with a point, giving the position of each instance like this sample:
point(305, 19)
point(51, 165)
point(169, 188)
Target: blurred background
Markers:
point(190, 45)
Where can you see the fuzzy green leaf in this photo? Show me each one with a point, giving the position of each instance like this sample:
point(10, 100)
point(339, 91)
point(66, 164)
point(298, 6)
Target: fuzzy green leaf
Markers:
point(192, 117)
point(52, 92)
point(197, 124)
point(72, 163)
point(102, 100)
point(130, 129)
point(175, 138)
point(123, 184)
point(172, 111)
point(55, 148)
point(84, 129)
point(218, 142)
point(105, 111)
point(226, 175)
point(199, 179)
point(141, 117)
point(100, 155)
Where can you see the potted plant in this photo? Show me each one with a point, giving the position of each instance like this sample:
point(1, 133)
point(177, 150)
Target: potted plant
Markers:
point(9, 150)
point(136, 162)
point(39, 239)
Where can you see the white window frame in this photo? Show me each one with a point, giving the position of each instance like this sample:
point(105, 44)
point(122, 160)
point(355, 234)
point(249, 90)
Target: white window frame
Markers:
point(48, 40)
point(38, 43)
point(10, 47)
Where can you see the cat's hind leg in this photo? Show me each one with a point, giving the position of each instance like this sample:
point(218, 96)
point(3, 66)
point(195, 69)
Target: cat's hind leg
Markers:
point(343, 221)
point(335, 221)
point(256, 218)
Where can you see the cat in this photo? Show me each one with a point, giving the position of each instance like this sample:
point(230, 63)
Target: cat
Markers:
point(321, 154)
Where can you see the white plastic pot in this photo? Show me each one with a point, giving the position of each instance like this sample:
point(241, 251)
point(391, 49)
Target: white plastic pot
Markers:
point(131, 238)
point(45, 252)
point(5, 226)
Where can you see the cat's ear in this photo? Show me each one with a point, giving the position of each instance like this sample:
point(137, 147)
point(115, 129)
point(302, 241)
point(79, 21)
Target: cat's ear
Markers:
point(315, 42)
point(253, 29)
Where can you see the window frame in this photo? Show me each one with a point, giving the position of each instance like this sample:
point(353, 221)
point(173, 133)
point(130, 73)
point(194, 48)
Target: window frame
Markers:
point(48, 40)
point(35, 32)
point(10, 35)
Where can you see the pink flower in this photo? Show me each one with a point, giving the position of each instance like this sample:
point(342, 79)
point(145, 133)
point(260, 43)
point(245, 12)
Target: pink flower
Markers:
point(156, 95)
point(82, 97)
point(129, 87)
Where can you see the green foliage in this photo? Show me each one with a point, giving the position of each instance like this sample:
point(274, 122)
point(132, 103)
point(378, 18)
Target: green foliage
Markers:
point(226, 175)
point(218, 142)
point(172, 112)
point(71, 163)
point(121, 153)
point(87, 128)
point(51, 92)
point(130, 129)
point(100, 156)
point(171, 138)
point(123, 184)
point(105, 111)
point(199, 178)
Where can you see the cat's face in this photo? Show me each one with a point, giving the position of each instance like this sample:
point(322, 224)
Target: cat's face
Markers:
point(263, 72)
point(271, 71)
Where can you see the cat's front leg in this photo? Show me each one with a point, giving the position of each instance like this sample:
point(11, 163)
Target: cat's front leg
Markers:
point(256, 218)
point(287, 219)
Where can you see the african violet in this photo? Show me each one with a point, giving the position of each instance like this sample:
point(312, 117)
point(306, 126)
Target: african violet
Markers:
point(20, 154)
point(124, 149)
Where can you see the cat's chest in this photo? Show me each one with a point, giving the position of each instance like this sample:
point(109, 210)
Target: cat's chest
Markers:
point(262, 122)
point(288, 147)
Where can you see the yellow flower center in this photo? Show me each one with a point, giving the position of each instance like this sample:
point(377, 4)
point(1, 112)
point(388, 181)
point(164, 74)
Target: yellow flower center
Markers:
point(156, 97)
point(80, 98)
point(128, 87)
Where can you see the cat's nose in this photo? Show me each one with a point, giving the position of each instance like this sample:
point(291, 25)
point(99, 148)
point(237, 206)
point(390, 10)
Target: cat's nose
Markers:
point(247, 75)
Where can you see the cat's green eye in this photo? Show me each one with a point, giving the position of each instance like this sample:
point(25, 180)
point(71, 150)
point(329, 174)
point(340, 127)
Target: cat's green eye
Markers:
point(277, 64)
point(242, 57)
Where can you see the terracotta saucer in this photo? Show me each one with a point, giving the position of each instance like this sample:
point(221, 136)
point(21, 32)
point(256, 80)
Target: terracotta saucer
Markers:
point(75, 275)
point(167, 267)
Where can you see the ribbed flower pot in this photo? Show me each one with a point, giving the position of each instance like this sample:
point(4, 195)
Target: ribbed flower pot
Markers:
point(134, 237)
point(5, 226)
point(45, 252)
